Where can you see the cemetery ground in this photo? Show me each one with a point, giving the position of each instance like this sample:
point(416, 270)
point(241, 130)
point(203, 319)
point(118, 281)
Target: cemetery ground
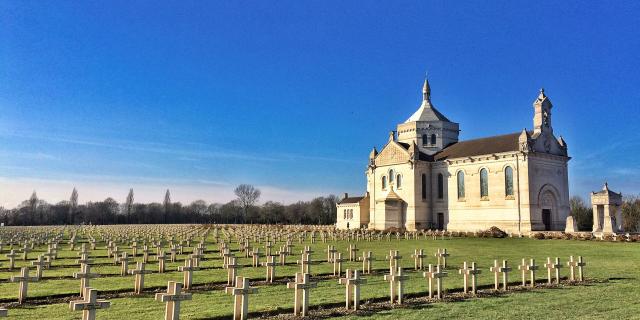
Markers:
point(612, 288)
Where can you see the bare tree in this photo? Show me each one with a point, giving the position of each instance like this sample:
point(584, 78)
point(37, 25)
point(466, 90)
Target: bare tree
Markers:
point(631, 213)
point(581, 213)
point(73, 206)
point(128, 206)
point(33, 202)
point(167, 205)
point(247, 195)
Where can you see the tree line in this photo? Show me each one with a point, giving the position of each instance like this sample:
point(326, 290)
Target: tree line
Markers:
point(243, 209)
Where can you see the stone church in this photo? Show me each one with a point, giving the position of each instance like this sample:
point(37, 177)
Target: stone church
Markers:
point(425, 178)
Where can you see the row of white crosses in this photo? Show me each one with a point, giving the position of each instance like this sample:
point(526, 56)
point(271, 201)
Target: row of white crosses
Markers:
point(352, 279)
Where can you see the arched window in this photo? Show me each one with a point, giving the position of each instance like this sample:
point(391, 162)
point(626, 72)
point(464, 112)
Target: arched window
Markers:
point(425, 139)
point(391, 176)
point(508, 181)
point(484, 183)
point(424, 186)
point(399, 181)
point(384, 182)
point(460, 185)
point(433, 139)
point(440, 186)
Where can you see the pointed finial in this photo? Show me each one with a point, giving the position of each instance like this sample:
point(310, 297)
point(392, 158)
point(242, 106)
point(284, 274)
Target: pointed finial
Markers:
point(606, 186)
point(426, 90)
point(541, 96)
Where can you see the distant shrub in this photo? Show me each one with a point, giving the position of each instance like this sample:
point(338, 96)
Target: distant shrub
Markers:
point(538, 235)
point(495, 232)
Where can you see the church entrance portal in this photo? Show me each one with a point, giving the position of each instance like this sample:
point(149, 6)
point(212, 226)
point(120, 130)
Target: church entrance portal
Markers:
point(546, 219)
point(440, 221)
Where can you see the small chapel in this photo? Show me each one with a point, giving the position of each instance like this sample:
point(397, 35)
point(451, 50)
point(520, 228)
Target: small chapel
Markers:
point(424, 177)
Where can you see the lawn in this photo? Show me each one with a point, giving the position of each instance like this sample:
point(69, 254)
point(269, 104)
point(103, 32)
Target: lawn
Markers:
point(612, 292)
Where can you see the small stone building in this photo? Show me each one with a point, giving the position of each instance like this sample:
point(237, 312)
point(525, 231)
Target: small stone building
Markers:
point(425, 178)
point(607, 211)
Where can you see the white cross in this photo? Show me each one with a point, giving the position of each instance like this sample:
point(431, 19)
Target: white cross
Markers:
point(40, 264)
point(89, 305)
point(353, 252)
point(172, 298)
point(139, 277)
point(24, 280)
point(271, 268)
point(241, 293)
point(352, 281)
point(396, 280)
point(394, 258)
point(442, 257)
point(576, 264)
point(301, 287)
point(187, 271)
point(553, 266)
point(367, 258)
point(305, 263)
point(124, 264)
point(418, 258)
point(504, 270)
point(232, 268)
point(84, 275)
point(532, 268)
point(337, 264)
point(435, 273)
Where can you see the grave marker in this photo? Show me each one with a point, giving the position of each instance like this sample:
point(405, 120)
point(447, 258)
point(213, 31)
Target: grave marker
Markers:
point(301, 287)
point(172, 299)
point(24, 280)
point(89, 305)
point(241, 293)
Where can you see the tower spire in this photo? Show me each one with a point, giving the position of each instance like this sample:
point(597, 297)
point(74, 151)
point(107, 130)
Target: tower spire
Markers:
point(426, 90)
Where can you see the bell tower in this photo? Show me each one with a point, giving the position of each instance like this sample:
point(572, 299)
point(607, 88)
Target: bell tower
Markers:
point(429, 129)
point(542, 114)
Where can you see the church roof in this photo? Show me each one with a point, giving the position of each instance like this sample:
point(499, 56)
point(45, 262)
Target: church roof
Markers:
point(476, 147)
point(427, 112)
point(351, 200)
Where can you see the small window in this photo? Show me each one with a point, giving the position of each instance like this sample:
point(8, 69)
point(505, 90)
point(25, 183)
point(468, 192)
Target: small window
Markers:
point(440, 186)
point(391, 176)
point(484, 183)
point(460, 185)
point(399, 181)
point(508, 181)
point(433, 139)
point(384, 182)
point(425, 139)
point(424, 186)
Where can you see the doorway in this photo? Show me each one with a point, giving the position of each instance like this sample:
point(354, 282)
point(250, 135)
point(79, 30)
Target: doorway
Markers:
point(440, 221)
point(546, 219)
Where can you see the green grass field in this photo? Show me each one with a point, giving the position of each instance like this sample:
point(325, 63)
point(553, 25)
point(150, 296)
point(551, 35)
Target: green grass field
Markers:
point(614, 292)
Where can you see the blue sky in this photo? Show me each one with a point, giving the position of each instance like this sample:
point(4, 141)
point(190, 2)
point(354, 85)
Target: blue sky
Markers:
point(291, 96)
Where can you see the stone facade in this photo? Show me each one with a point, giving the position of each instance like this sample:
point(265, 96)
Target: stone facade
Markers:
point(517, 182)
